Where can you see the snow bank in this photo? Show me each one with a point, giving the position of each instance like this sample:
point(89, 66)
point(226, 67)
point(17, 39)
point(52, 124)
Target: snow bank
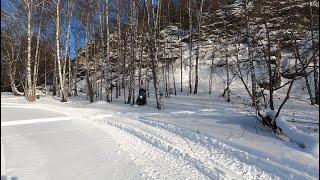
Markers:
point(310, 142)
point(224, 152)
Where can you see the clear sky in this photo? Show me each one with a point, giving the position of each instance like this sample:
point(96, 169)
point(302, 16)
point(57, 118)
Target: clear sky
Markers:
point(75, 28)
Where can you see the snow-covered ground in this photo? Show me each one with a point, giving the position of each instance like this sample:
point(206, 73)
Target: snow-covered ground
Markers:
point(49, 142)
point(195, 137)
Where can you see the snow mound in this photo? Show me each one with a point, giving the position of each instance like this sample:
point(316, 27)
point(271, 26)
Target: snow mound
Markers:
point(311, 143)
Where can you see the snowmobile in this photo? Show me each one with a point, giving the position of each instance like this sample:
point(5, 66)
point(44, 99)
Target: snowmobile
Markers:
point(142, 98)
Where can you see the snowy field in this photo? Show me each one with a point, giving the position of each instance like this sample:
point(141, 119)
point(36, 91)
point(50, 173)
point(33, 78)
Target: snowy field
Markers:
point(195, 137)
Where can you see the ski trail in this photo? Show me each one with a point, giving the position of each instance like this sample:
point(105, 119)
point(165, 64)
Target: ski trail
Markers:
point(163, 140)
point(207, 155)
point(156, 164)
point(228, 153)
point(213, 162)
point(213, 173)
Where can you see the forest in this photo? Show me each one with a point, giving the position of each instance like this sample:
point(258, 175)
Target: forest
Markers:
point(107, 49)
point(159, 89)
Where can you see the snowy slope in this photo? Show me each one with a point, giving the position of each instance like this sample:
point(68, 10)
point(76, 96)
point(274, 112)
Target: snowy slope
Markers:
point(231, 124)
point(219, 139)
point(195, 137)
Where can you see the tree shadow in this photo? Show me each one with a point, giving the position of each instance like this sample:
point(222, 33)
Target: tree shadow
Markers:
point(3, 177)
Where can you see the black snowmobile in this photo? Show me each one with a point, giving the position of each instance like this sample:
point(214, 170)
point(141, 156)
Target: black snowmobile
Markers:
point(142, 98)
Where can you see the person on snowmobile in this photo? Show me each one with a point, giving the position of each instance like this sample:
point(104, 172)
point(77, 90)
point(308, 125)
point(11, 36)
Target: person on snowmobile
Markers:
point(142, 98)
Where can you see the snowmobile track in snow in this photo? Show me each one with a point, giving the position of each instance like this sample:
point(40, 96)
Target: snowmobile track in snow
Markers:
point(154, 163)
point(231, 154)
point(209, 156)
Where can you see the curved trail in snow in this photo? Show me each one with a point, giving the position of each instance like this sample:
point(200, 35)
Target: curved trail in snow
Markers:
point(158, 149)
point(208, 156)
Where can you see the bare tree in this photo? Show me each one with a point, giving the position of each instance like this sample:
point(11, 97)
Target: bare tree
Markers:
point(153, 50)
point(181, 46)
point(195, 91)
point(211, 72)
point(61, 79)
point(36, 59)
point(30, 91)
point(107, 53)
point(67, 48)
point(250, 56)
point(190, 45)
point(316, 48)
point(11, 46)
point(90, 93)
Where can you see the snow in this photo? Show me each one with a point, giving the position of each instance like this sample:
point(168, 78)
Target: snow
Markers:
point(57, 149)
point(194, 137)
point(41, 120)
point(309, 142)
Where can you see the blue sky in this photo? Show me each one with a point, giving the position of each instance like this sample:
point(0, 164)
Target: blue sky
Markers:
point(73, 47)
point(73, 51)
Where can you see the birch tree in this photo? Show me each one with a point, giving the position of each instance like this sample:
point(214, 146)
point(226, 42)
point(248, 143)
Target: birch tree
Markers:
point(11, 48)
point(29, 90)
point(153, 50)
point(36, 59)
point(58, 55)
point(67, 47)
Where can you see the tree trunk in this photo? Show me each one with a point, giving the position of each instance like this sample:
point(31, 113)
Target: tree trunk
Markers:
point(140, 60)
point(95, 77)
point(305, 74)
point(228, 78)
point(168, 79)
point(12, 73)
point(30, 92)
point(253, 80)
point(70, 77)
point(88, 81)
point(315, 60)
point(211, 73)
point(75, 72)
point(54, 78)
point(285, 100)
point(190, 46)
point(198, 50)
point(174, 81)
point(124, 76)
point(37, 59)
point(196, 81)
point(181, 88)
point(316, 79)
point(269, 68)
point(153, 51)
point(251, 61)
point(135, 32)
point(102, 26)
point(61, 79)
point(118, 88)
point(45, 72)
point(108, 84)
point(68, 48)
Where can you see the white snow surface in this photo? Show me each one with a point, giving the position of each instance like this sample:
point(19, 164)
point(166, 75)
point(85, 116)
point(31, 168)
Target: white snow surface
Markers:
point(311, 143)
point(195, 137)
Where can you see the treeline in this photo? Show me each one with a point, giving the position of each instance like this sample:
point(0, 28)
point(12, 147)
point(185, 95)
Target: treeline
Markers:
point(117, 45)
